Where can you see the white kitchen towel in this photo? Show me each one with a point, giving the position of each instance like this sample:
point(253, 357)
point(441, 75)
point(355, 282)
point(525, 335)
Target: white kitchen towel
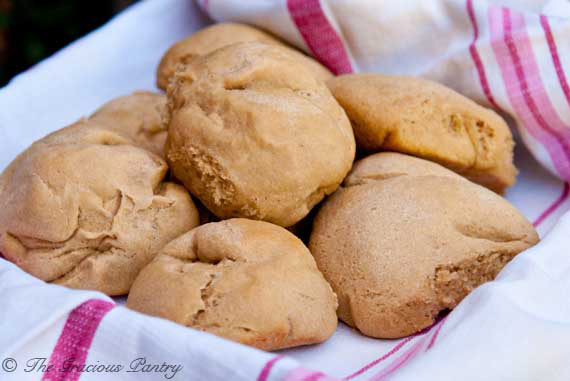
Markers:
point(515, 59)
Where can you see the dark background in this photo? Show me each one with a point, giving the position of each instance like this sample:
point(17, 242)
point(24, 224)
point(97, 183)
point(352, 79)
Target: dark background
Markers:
point(31, 30)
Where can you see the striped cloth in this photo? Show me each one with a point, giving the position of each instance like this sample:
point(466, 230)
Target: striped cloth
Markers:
point(515, 61)
point(514, 58)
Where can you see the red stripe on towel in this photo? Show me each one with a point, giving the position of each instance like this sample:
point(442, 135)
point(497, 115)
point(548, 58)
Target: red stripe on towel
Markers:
point(318, 376)
point(381, 359)
point(436, 325)
point(72, 348)
point(401, 361)
point(411, 352)
point(264, 374)
point(552, 208)
point(476, 58)
point(525, 89)
point(302, 374)
point(436, 334)
point(319, 35)
point(555, 57)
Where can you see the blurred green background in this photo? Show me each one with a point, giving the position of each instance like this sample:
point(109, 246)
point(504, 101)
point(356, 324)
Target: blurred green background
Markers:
point(31, 30)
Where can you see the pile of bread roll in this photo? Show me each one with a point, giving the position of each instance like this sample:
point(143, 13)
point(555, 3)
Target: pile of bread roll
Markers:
point(192, 202)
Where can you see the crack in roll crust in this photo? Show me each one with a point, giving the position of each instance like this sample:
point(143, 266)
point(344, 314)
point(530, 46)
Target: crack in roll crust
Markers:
point(248, 281)
point(138, 117)
point(217, 36)
point(405, 238)
point(86, 208)
point(428, 120)
point(251, 133)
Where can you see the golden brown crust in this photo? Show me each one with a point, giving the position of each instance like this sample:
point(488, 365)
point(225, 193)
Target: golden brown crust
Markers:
point(251, 134)
point(425, 119)
point(86, 208)
point(217, 36)
point(248, 281)
point(402, 243)
point(138, 117)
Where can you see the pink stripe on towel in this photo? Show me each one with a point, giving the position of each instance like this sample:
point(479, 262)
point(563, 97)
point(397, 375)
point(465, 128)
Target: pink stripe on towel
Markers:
point(553, 207)
point(400, 361)
point(436, 325)
point(476, 58)
point(555, 57)
point(72, 348)
point(380, 359)
point(320, 36)
point(525, 89)
point(302, 374)
point(264, 374)
point(436, 334)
